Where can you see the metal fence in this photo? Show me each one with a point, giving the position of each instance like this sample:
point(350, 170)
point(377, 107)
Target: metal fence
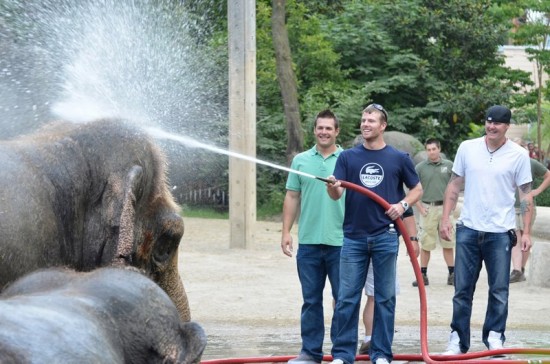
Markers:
point(211, 196)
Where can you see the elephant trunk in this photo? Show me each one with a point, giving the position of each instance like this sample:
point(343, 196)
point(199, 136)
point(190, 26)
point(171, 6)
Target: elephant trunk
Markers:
point(170, 281)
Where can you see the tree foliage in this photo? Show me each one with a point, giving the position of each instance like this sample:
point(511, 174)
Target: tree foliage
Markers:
point(533, 31)
point(434, 64)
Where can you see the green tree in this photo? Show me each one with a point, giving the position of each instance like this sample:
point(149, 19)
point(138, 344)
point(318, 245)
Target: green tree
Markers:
point(434, 64)
point(316, 68)
point(533, 31)
point(287, 80)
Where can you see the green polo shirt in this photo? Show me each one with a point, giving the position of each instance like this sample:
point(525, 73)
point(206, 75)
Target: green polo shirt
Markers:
point(321, 217)
point(434, 177)
point(538, 170)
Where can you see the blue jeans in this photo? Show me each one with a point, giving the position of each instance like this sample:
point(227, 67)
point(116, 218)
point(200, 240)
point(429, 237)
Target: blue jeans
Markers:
point(354, 261)
point(472, 248)
point(316, 263)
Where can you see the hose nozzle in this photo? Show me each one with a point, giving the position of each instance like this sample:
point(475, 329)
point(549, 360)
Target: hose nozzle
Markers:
point(326, 180)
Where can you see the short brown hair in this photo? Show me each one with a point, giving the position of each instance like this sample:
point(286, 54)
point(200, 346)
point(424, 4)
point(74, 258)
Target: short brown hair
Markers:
point(326, 114)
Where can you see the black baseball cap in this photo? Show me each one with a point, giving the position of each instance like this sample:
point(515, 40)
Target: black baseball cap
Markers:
point(499, 114)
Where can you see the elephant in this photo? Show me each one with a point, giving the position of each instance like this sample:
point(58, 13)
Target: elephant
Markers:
point(85, 196)
point(109, 315)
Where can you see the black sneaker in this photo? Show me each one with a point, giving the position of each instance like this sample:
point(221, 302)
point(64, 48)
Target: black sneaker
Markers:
point(451, 279)
point(517, 276)
point(364, 349)
point(424, 278)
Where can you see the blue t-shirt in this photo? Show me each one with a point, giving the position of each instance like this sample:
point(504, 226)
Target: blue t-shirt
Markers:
point(383, 172)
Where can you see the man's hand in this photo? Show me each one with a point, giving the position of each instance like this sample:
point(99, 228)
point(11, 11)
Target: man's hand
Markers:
point(334, 188)
point(423, 210)
point(445, 229)
point(334, 183)
point(286, 244)
point(525, 242)
point(395, 211)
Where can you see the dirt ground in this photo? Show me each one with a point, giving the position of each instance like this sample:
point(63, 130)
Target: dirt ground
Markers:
point(248, 300)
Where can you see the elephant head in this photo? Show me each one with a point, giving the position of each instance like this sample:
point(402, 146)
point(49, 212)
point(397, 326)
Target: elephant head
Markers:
point(141, 219)
point(101, 197)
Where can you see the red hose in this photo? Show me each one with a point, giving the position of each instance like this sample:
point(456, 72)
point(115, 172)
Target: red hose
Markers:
point(400, 357)
point(425, 356)
point(412, 255)
point(424, 306)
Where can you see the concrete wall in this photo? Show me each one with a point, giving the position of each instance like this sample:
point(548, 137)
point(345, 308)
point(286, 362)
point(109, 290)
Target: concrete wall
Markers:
point(516, 58)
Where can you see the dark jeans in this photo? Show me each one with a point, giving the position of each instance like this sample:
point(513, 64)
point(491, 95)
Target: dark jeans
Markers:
point(472, 249)
point(316, 263)
point(382, 251)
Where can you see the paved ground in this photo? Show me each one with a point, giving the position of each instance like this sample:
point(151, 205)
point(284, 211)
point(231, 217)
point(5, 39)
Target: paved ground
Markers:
point(248, 300)
point(541, 229)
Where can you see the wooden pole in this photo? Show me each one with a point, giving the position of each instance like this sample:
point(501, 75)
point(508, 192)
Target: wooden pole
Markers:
point(242, 120)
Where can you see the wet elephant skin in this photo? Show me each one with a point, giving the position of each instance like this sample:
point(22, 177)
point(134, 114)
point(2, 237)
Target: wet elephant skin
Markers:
point(86, 196)
point(109, 315)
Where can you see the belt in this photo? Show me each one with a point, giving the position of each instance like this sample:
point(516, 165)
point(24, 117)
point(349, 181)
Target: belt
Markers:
point(435, 203)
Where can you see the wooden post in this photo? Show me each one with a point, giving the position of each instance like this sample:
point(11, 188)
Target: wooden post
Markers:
point(242, 120)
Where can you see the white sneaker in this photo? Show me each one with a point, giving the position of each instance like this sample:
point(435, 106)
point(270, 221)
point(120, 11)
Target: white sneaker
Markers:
point(453, 347)
point(337, 361)
point(494, 340)
point(382, 361)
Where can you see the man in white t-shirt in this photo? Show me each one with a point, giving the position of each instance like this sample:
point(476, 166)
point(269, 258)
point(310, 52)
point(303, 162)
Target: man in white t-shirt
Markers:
point(491, 168)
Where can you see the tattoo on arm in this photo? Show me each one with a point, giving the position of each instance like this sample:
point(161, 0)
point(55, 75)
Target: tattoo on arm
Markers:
point(525, 188)
point(454, 193)
point(524, 205)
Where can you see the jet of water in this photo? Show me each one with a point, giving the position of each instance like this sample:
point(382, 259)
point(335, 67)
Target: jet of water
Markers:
point(193, 143)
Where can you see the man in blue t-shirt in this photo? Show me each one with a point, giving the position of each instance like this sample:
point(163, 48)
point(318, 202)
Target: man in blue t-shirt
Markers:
point(369, 234)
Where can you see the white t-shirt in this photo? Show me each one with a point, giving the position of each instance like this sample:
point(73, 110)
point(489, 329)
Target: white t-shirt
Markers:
point(490, 183)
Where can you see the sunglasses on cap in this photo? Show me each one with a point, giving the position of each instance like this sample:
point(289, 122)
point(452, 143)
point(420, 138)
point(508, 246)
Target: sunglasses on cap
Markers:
point(379, 108)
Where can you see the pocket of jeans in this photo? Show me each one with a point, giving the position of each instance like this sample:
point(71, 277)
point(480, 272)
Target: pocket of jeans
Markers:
point(459, 225)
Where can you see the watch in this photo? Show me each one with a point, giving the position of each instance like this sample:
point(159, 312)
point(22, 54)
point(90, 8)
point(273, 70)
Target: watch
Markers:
point(413, 238)
point(404, 204)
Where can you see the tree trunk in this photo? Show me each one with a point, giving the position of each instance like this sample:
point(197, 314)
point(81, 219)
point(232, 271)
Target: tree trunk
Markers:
point(540, 70)
point(287, 80)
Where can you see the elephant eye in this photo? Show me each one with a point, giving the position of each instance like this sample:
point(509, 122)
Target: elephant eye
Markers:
point(171, 231)
point(165, 246)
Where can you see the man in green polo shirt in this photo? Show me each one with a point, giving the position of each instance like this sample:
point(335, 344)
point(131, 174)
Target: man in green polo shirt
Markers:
point(320, 233)
point(434, 174)
point(520, 257)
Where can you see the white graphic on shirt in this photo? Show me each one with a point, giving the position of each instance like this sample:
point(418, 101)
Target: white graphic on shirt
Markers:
point(371, 174)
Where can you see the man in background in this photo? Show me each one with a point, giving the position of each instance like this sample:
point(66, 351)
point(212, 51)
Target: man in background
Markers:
point(434, 174)
point(519, 256)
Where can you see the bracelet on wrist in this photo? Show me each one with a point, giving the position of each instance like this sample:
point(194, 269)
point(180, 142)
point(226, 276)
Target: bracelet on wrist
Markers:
point(413, 238)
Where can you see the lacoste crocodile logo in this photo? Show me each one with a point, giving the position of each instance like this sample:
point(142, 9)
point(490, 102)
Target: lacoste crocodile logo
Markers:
point(371, 170)
point(371, 175)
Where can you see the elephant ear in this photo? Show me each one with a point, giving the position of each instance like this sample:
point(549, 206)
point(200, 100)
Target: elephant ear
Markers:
point(125, 243)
